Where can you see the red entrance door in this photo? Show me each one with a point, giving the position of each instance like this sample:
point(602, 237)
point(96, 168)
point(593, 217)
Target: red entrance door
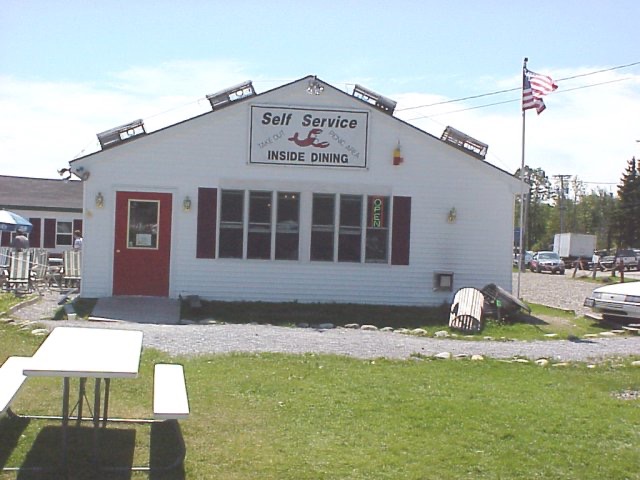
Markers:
point(142, 244)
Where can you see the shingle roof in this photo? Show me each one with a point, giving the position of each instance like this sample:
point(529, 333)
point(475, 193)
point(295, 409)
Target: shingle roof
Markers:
point(24, 193)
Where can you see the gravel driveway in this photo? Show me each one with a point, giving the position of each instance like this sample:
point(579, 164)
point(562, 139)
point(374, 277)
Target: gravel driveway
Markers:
point(190, 340)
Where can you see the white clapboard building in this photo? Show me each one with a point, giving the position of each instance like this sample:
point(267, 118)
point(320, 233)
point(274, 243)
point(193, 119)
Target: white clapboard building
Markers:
point(301, 193)
point(53, 207)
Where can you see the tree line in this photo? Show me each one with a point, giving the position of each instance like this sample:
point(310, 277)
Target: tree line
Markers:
point(562, 204)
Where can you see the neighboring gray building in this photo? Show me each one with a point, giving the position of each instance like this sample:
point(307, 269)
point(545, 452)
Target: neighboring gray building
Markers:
point(54, 207)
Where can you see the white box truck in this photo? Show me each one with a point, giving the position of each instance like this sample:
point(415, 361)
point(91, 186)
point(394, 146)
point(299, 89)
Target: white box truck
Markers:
point(574, 247)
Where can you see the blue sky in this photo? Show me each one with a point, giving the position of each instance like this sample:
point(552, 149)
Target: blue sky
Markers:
point(70, 69)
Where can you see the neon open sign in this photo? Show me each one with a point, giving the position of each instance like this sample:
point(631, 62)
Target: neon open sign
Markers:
point(376, 212)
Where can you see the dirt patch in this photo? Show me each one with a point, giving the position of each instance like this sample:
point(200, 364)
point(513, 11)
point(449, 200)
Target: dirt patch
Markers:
point(626, 395)
point(556, 321)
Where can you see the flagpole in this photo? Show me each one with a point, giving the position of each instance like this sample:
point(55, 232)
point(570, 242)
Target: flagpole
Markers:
point(522, 189)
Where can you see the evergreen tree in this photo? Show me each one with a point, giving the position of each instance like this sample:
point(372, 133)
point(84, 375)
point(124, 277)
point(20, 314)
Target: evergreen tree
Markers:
point(627, 215)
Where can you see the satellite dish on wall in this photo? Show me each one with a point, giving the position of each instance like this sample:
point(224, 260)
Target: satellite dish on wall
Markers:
point(85, 176)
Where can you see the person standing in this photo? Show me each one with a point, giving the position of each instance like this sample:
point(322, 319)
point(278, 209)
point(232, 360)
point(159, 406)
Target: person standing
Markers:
point(77, 240)
point(20, 241)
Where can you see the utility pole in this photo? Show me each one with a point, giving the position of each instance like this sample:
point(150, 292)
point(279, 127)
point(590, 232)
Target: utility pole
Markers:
point(563, 190)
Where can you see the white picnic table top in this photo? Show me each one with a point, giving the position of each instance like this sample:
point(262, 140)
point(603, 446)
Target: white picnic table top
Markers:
point(87, 353)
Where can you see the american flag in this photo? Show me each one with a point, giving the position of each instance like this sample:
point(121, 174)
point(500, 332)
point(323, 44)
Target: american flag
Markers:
point(534, 87)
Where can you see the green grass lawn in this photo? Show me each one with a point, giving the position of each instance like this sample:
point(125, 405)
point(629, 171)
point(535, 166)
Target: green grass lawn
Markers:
point(275, 416)
point(8, 300)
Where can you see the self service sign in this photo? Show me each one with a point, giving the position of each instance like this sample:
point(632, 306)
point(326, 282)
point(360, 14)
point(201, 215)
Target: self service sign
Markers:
point(306, 136)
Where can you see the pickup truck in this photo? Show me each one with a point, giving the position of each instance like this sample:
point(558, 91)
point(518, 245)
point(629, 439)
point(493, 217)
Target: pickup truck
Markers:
point(628, 256)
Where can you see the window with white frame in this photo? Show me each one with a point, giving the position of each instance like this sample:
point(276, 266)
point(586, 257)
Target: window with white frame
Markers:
point(344, 228)
point(263, 240)
point(259, 236)
point(64, 233)
point(288, 226)
point(323, 227)
point(350, 229)
point(377, 236)
point(347, 230)
point(231, 223)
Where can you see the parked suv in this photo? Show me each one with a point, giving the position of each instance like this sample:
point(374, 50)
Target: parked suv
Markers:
point(628, 256)
point(547, 262)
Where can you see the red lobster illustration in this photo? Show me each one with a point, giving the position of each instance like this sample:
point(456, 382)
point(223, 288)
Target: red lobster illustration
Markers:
point(311, 139)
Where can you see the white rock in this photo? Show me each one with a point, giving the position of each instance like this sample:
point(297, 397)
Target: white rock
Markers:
point(420, 332)
point(386, 329)
point(353, 326)
point(443, 356)
point(607, 334)
point(441, 334)
point(542, 362)
point(635, 363)
point(477, 358)
point(326, 326)
point(40, 332)
point(370, 328)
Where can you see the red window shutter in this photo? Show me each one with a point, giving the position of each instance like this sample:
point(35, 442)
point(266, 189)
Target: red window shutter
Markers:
point(34, 236)
point(77, 224)
point(207, 220)
point(49, 233)
point(5, 239)
point(401, 234)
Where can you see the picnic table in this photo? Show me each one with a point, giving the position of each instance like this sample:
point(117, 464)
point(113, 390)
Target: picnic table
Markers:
point(101, 354)
point(82, 353)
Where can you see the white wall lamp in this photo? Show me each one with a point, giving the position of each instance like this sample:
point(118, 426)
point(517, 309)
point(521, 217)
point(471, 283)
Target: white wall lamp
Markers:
point(451, 217)
point(186, 204)
point(99, 200)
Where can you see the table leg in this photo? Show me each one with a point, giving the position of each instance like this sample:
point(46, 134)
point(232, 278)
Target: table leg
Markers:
point(81, 394)
point(65, 419)
point(107, 388)
point(97, 393)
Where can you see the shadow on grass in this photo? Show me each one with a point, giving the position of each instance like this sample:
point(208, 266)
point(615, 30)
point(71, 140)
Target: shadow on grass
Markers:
point(166, 451)
point(528, 319)
point(116, 448)
point(11, 429)
point(115, 457)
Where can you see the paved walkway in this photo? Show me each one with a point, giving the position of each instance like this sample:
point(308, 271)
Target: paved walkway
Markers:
point(157, 310)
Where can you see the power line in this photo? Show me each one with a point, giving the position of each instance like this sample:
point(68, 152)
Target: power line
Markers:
point(514, 99)
point(498, 92)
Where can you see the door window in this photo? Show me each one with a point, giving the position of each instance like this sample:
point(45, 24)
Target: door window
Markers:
point(142, 229)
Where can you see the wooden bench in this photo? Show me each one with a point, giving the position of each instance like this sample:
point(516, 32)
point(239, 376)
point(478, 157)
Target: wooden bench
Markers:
point(11, 381)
